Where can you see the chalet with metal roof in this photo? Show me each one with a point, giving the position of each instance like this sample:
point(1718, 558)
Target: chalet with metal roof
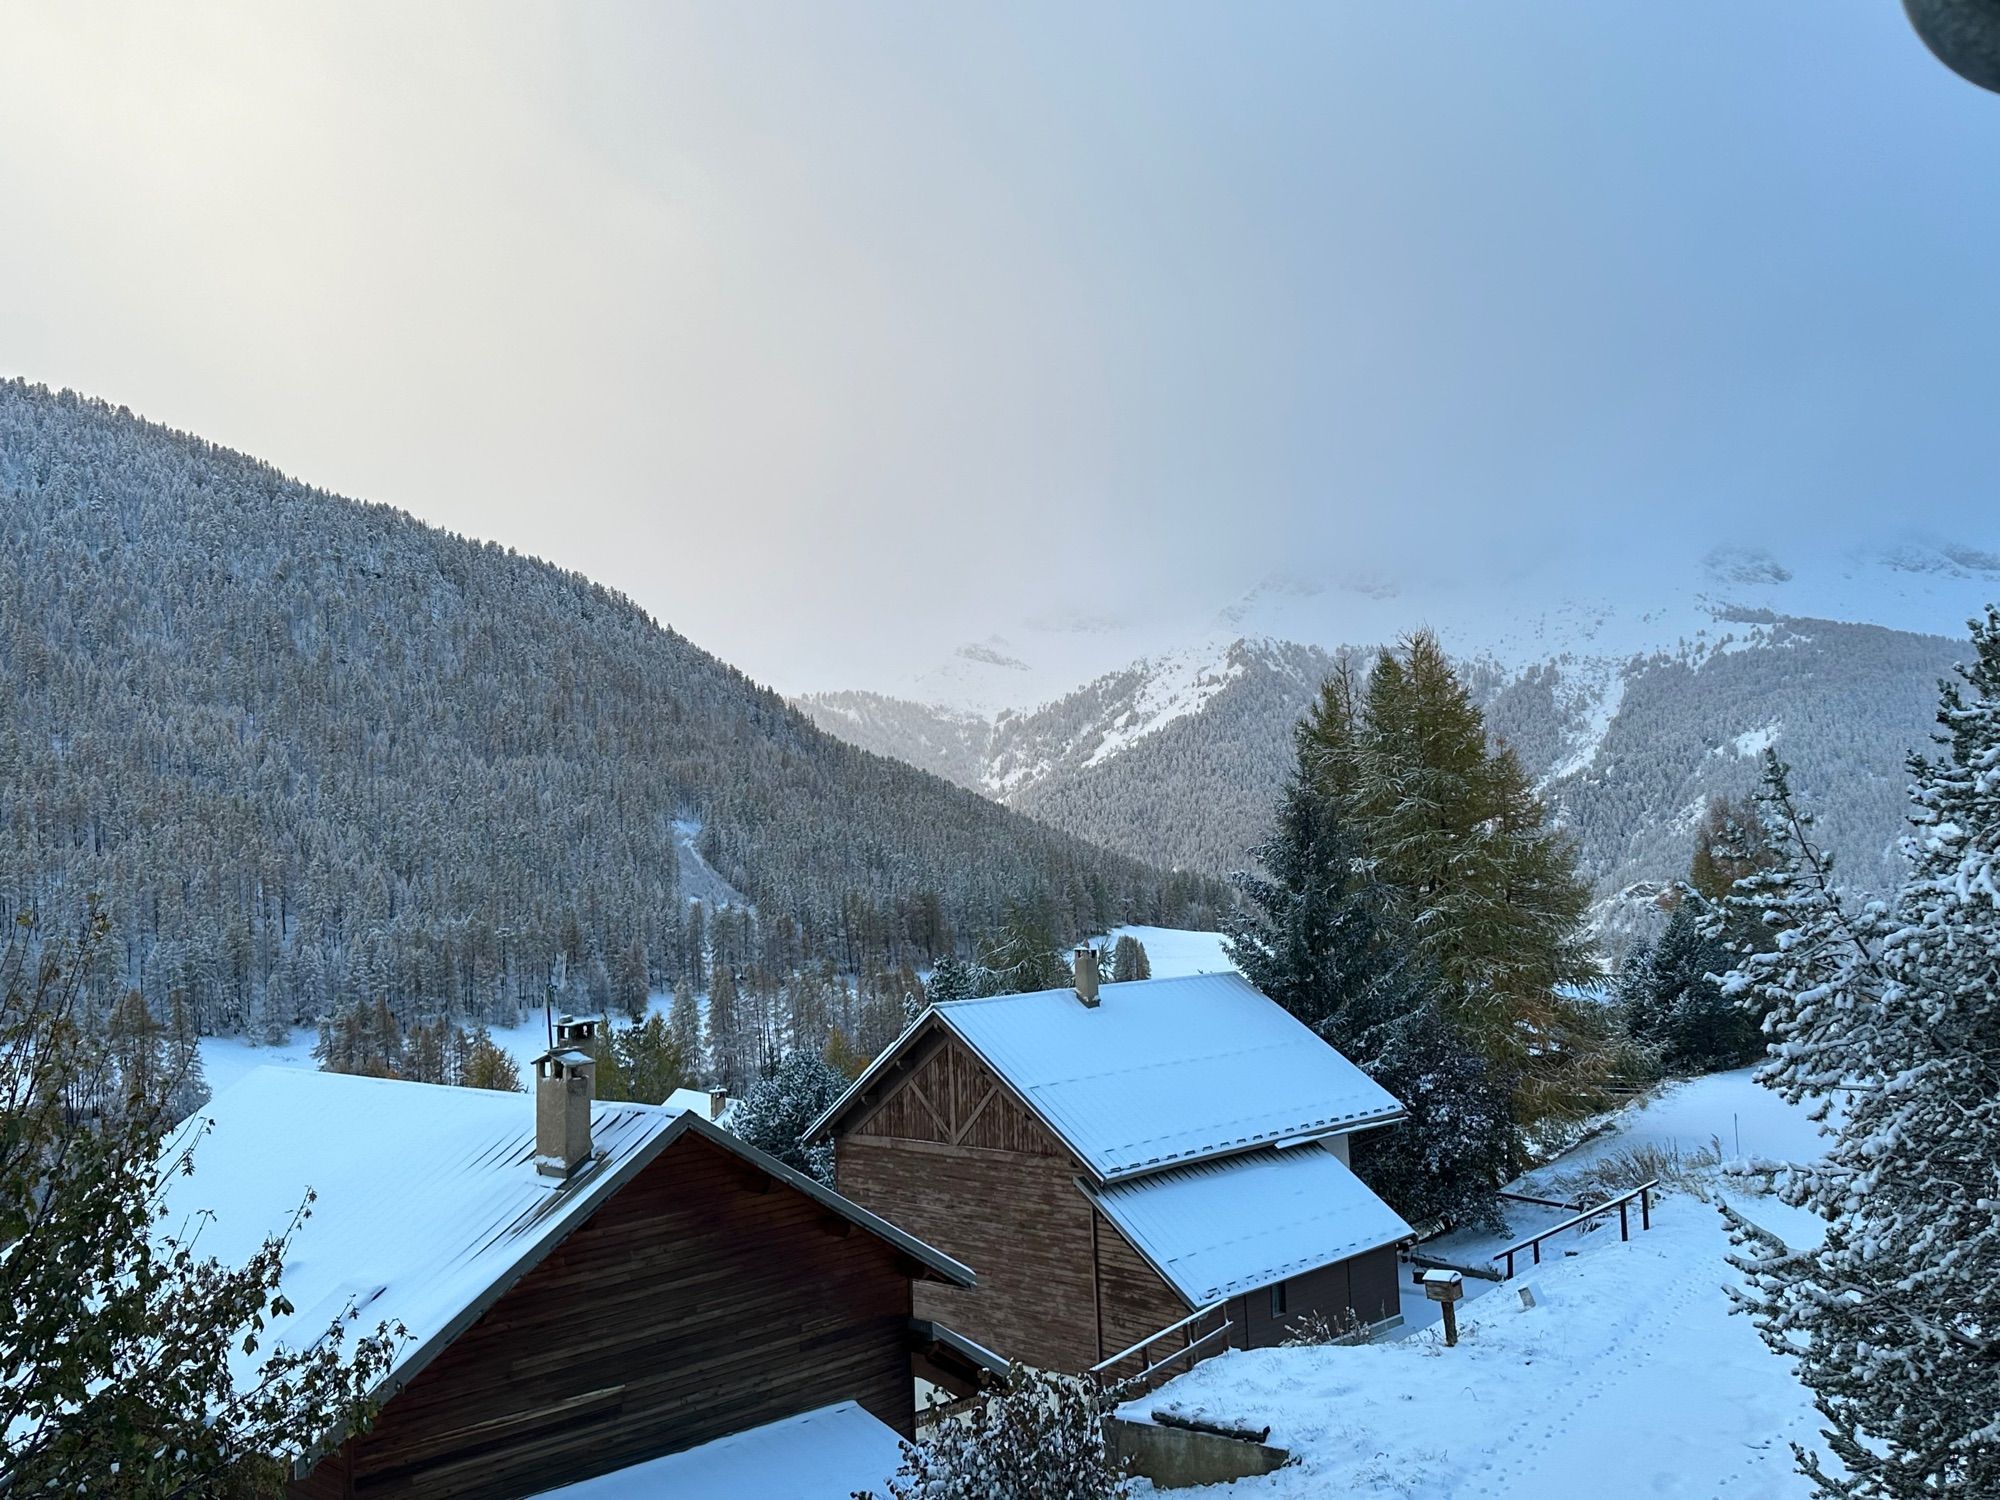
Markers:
point(586, 1286)
point(1142, 1164)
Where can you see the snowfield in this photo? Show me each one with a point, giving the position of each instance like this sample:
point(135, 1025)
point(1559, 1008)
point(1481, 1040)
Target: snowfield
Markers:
point(1174, 953)
point(225, 1059)
point(1629, 1376)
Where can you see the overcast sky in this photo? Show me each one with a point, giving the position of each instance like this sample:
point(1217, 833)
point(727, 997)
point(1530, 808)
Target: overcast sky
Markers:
point(815, 326)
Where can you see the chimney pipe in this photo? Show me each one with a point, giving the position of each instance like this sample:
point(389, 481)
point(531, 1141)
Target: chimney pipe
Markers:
point(1086, 975)
point(565, 1085)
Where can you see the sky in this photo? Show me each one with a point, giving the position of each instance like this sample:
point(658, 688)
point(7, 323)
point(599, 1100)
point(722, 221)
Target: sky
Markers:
point(834, 333)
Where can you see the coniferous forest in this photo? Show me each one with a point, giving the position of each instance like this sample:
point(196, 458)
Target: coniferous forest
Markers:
point(313, 755)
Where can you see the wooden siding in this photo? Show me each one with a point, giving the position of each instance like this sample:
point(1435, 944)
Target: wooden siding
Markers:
point(1135, 1302)
point(702, 1299)
point(1366, 1285)
point(944, 1150)
point(947, 1153)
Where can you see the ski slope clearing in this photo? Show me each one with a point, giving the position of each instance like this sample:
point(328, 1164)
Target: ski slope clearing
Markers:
point(225, 1059)
point(1174, 952)
point(1628, 1377)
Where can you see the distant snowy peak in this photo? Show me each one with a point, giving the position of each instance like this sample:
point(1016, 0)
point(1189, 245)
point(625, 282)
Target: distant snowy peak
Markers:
point(1617, 607)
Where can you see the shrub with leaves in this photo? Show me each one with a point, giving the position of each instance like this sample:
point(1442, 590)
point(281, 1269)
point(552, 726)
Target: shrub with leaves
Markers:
point(1038, 1436)
point(120, 1346)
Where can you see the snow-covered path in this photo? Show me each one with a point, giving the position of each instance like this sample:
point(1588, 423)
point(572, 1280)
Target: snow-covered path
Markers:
point(1629, 1377)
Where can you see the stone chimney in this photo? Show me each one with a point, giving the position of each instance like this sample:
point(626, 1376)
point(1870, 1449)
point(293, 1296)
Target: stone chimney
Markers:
point(1086, 975)
point(565, 1085)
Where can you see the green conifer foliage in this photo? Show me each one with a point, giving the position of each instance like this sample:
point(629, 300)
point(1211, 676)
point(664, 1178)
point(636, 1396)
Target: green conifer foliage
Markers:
point(1317, 932)
point(1483, 887)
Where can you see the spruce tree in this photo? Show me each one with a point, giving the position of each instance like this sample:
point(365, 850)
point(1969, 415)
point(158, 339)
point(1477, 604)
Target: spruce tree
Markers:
point(1894, 1317)
point(1484, 888)
point(1673, 1000)
point(1129, 961)
point(1316, 932)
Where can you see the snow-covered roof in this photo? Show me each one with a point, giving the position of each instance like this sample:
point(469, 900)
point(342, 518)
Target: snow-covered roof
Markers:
point(826, 1454)
point(1160, 1071)
point(1221, 1228)
point(701, 1101)
point(427, 1204)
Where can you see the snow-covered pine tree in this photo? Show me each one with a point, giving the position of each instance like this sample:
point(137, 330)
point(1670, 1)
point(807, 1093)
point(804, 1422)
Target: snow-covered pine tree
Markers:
point(952, 978)
point(1895, 1317)
point(633, 987)
point(773, 1114)
point(684, 1020)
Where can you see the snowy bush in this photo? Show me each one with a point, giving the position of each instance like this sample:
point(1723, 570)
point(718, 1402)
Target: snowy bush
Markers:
point(1676, 1170)
point(1039, 1436)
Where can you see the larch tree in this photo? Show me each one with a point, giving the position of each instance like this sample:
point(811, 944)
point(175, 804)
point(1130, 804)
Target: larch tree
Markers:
point(1316, 931)
point(1485, 889)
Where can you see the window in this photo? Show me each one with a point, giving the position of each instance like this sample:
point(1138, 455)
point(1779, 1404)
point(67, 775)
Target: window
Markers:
point(1278, 1300)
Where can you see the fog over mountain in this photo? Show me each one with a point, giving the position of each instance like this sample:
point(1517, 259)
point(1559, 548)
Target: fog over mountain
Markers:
point(1632, 699)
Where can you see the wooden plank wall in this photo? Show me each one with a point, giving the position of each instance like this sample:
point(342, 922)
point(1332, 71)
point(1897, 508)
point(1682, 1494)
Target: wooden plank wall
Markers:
point(701, 1300)
point(950, 1156)
point(1134, 1300)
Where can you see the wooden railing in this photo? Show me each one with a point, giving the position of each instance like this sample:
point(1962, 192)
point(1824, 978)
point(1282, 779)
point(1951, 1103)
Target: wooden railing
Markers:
point(1622, 1204)
point(1189, 1340)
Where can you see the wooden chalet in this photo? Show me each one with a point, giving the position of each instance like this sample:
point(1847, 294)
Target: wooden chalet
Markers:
point(586, 1286)
point(1118, 1159)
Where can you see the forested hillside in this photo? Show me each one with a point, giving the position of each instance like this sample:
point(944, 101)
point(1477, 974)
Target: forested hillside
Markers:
point(312, 752)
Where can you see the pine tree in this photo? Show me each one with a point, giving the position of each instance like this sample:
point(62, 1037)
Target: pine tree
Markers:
point(1022, 955)
point(633, 988)
point(684, 1020)
point(1479, 884)
point(1895, 1316)
point(773, 1114)
point(1316, 934)
point(486, 1066)
point(952, 978)
point(1129, 961)
point(650, 1062)
point(1673, 1000)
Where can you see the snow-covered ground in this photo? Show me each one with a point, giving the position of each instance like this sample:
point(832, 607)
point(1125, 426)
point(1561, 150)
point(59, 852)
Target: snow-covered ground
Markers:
point(1628, 1377)
point(1175, 952)
point(224, 1059)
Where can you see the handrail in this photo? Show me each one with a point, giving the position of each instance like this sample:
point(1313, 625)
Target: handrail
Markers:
point(1643, 1192)
point(1153, 1338)
point(1181, 1353)
point(1571, 1204)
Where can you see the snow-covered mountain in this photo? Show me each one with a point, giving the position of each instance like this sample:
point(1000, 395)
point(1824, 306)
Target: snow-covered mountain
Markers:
point(1631, 700)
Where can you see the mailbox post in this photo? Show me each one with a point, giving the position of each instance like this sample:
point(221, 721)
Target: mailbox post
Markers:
point(1445, 1288)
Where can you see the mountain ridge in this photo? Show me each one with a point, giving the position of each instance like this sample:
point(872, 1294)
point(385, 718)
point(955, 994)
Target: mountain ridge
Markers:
point(311, 751)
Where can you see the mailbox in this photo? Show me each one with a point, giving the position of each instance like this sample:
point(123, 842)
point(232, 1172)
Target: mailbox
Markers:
point(1444, 1286)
